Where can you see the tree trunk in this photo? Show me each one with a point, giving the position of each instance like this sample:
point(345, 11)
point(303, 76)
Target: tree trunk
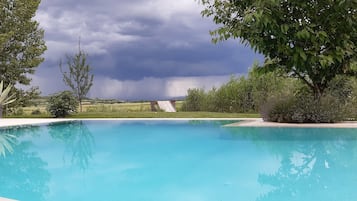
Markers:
point(318, 90)
point(80, 106)
point(0, 111)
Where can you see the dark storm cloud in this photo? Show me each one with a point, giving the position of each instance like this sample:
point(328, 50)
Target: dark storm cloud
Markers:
point(133, 40)
point(158, 60)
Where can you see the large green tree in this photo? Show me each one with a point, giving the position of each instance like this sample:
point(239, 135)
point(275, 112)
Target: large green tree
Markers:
point(313, 40)
point(21, 43)
point(78, 78)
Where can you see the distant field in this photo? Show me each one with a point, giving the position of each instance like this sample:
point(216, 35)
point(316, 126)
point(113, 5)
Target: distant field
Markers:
point(117, 107)
point(126, 110)
point(163, 115)
point(101, 107)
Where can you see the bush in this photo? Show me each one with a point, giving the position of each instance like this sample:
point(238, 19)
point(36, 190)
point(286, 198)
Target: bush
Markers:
point(62, 104)
point(266, 84)
point(239, 94)
point(194, 100)
point(234, 96)
point(304, 108)
point(278, 98)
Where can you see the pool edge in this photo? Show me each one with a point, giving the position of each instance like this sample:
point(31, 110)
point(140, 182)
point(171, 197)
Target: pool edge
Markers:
point(258, 122)
point(243, 122)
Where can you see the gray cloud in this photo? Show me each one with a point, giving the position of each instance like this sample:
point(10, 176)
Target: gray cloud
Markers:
point(150, 88)
point(136, 42)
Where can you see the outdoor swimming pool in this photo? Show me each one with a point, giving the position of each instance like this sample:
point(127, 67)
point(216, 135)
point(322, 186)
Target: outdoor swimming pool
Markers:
point(177, 161)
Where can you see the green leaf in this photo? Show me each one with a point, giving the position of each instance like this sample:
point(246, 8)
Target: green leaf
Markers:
point(303, 55)
point(322, 34)
point(303, 34)
point(284, 28)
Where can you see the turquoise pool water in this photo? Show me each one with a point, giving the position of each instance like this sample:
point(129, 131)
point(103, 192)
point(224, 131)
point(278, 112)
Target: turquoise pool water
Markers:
point(177, 161)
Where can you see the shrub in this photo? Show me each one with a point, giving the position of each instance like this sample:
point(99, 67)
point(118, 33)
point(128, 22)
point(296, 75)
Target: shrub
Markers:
point(234, 96)
point(352, 105)
point(277, 109)
point(303, 108)
point(339, 102)
point(62, 104)
point(265, 84)
point(194, 100)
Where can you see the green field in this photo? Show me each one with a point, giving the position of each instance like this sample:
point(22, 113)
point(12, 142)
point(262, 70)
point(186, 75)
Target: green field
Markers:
point(124, 110)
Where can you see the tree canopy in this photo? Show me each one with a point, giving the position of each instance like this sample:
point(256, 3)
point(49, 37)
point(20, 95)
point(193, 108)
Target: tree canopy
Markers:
point(312, 40)
point(21, 47)
point(21, 41)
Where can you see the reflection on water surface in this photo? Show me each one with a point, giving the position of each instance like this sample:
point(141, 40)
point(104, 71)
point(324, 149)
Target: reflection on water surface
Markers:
point(176, 160)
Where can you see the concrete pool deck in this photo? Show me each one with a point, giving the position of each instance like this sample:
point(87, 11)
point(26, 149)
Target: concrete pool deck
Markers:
point(5, 122)
point(243, 122)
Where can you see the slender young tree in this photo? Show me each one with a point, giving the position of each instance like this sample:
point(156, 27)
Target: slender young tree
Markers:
point(78, 78)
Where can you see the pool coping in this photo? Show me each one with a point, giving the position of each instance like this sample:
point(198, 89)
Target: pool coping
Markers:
point(258, 122)
point(8, 122)
point(243, 122)
point(6, 199)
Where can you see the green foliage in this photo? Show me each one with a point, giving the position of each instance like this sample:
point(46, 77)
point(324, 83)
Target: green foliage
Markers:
point(235, 96)
point(23, 99)
point(238, 95)
point(336, 104)
point(26, 98)
point(62, 104)
point(78, 77)
point(194, 100)
point(311, 40)
point(278, 98)
point(303, 109)
point(266, 83)
point(21, 41)
point(5, 98)
point(231, 97)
